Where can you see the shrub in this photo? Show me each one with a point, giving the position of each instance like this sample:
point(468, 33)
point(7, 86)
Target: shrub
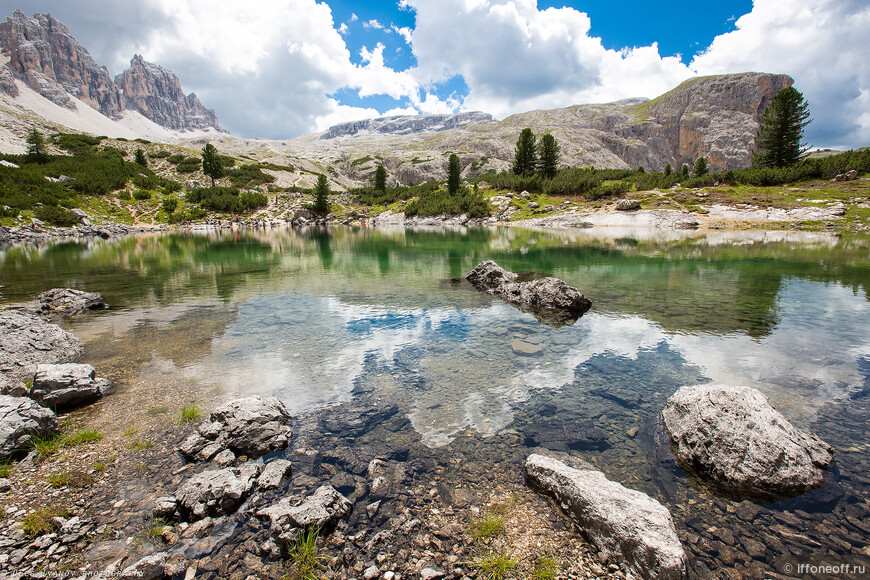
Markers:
point(142, 194)
point(249, 176)
point(57, 216)
point(175, 158)
point(162, 154)
point(438, 202)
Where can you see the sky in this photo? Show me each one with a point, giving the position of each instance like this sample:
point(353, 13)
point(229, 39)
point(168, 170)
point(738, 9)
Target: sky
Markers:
point(281, 68)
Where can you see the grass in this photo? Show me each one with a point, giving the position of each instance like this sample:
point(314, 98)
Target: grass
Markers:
point(496, 565)
point(40, 521)
point(45, 444)
point(140, 444)
point(190, 413)
point(99, 467)
point(303, 561)
point(155, 528)
point(158, 410)
point(487, 526)
point(545, 568)
point(72, 478)
point(129, 431)
point(80, 437)
point(5, 468)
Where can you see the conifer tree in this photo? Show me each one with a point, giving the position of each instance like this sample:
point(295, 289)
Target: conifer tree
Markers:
point(526, 159)
point(780, 130)
point(140, 158)
point(701, 167)
point(211, 163)
point(36, 146)
point(668, 169)
point(381, 178)
point(685, 170)
point(321, 196)
point(454, 169)
point(548, 156)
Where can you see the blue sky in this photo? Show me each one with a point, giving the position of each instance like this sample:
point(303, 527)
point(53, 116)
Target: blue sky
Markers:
point(281, 68)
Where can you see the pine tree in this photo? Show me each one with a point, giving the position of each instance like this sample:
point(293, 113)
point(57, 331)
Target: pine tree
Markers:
point(36, 146)
point(140, 158)
point(454, 169)
point(780, 130)
point(211, 163)
point(548, 156)
point(685, 170)
point(321, 196)
point(701, 167)
point(668, 169)
point(525, 161)
point(381, 178)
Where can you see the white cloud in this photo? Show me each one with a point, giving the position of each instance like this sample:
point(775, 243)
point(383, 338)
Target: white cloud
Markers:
point(343, 28)
point(373, 23)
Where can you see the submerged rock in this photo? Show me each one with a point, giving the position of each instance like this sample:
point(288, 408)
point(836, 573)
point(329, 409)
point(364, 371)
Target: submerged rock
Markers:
point(356, 418)
point(548, 299)
point(216, 492)
point(66, 300)
point(27, 340)
point(624, 524)
point(68, 385)
point(735, 442)
point(322, 510)
point(252, 426)
point(21, 419)
point(561, 435)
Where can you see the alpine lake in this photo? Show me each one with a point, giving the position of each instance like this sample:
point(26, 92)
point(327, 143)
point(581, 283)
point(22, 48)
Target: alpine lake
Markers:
point(324, 317)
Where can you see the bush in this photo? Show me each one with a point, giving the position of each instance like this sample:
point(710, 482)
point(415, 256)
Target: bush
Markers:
point(248, 176)
point(175, 158)
point(468, 202)
point(226, 199)
point(608, 190)
point(142, 194)
point(371, 196)
point(76, 143)
point(56, 216)
point(162, 154)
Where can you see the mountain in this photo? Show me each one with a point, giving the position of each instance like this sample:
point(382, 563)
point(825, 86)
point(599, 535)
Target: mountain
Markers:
point(47, 58)
point(405, 124)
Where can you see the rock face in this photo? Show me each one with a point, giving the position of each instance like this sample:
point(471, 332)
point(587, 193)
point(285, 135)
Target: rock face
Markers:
point(252, 426)
point(156, 93)
point(322, 509)
point(67, 385)
point(27, 340)
point(45, 55)
point(68, 301)
point(7, 82)
point(406, 124)
point(217, 492)
point(624, 524)
point(548, 299)
point(20, 419)
point(734, 441)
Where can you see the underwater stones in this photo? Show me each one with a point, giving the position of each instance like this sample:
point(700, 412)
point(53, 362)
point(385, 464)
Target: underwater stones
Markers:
point(548, 299)
point(216, 492)
point(386, 477)
point(21, 419)
point(252, 426)
point(67, 385)
point(524, 348)
point(624, 524)
point(356, 418)
point(561, 435)
point(322, 509)
point(734, 441)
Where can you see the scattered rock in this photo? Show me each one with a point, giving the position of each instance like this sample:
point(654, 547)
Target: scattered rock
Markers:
point(627, 204)
point(851, 175)
point(274, 473)
point(66, 300)
point(323, 509)
point(62, 386)
point(562, 435)
point(20, 419)
point(622, 523)
point(524, 348)
point(733, 440)
point(216, 492)
point(148, 568)
point(385, 476)
point(356, 418)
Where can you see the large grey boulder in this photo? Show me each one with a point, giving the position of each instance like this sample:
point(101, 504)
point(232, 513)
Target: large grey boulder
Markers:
point(550, 300)
point(624, 524)
point(627, 204)
point(216, 492)
point(67, 385)
point(252, 426)
point(732, 440)
point(66, 300)
point(20, 420)
point(291, 515)
point(27, 340)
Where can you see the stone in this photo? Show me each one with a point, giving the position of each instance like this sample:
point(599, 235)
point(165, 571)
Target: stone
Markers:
point(623, 524)
point(199, 529)
point(732, 440)
point(216, 492)
point(252, 426)
point(534, 205)
point(274, 473)
point(27, 340)
point(386, 477)
point(524, 348)
point(165, 507)
point(851, 175)
point(4, 485)
point(322, 509)
point(627, 204)
point(21, 419)
point(356, 418)
point(67, 300)
point(147, 568)
point(431, 574)
point(224, 458)
point(62, 386)
point(550, 300)
point(562, 435)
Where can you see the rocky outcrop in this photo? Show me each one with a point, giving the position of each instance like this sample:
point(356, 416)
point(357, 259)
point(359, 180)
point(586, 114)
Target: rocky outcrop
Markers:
point(252, 426)
point(624, 524)
point(27, 340)
point(7, 82)
point(156, 93)
point(733, 441)
point(67, 301)
point(321, 510)
point(20, 420)
point(63, 386)
point(45, 55)
point(216, 492)
point(406, 124)
point(548, 299)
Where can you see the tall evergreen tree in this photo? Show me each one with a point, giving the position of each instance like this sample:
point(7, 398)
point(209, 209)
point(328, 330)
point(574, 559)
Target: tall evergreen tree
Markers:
point(321, 196)
point(668, 169)
point(701, 167)
point(684, 170)
point(211, 163)
point(454, 169)
point(139, 158)
point(36, 146)
point(548, 156)
point(526, 159)
point(381, 178)
point(780, 130)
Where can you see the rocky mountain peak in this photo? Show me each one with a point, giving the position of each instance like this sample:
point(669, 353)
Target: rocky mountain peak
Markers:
point(156, 93)
point(45, 55)
point(405, 124)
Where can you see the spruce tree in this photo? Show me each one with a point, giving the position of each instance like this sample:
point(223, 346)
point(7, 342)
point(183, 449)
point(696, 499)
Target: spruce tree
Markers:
point(548, 156)
point(454, 169)
point(780, 130)
point(140, 158)
point(321, 196)
point(381, 178)
point(526, 161)
point(685, 170)
point(701, 167)
point(36, 146)
point(211, 163)
point(668, 169)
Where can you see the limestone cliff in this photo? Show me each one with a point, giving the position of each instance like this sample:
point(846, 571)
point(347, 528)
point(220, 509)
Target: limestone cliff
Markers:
point(156, 93)
point(45, 55)
point(405, 124)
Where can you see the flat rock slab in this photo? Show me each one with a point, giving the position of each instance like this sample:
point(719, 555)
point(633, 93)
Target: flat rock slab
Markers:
point(733, 441)
point(622, 523)
point(524, 348)
point(216, 492)
point(322, 510)
point(67, 385)
point(20, 419)
point(562, 435)
point(27, 340)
